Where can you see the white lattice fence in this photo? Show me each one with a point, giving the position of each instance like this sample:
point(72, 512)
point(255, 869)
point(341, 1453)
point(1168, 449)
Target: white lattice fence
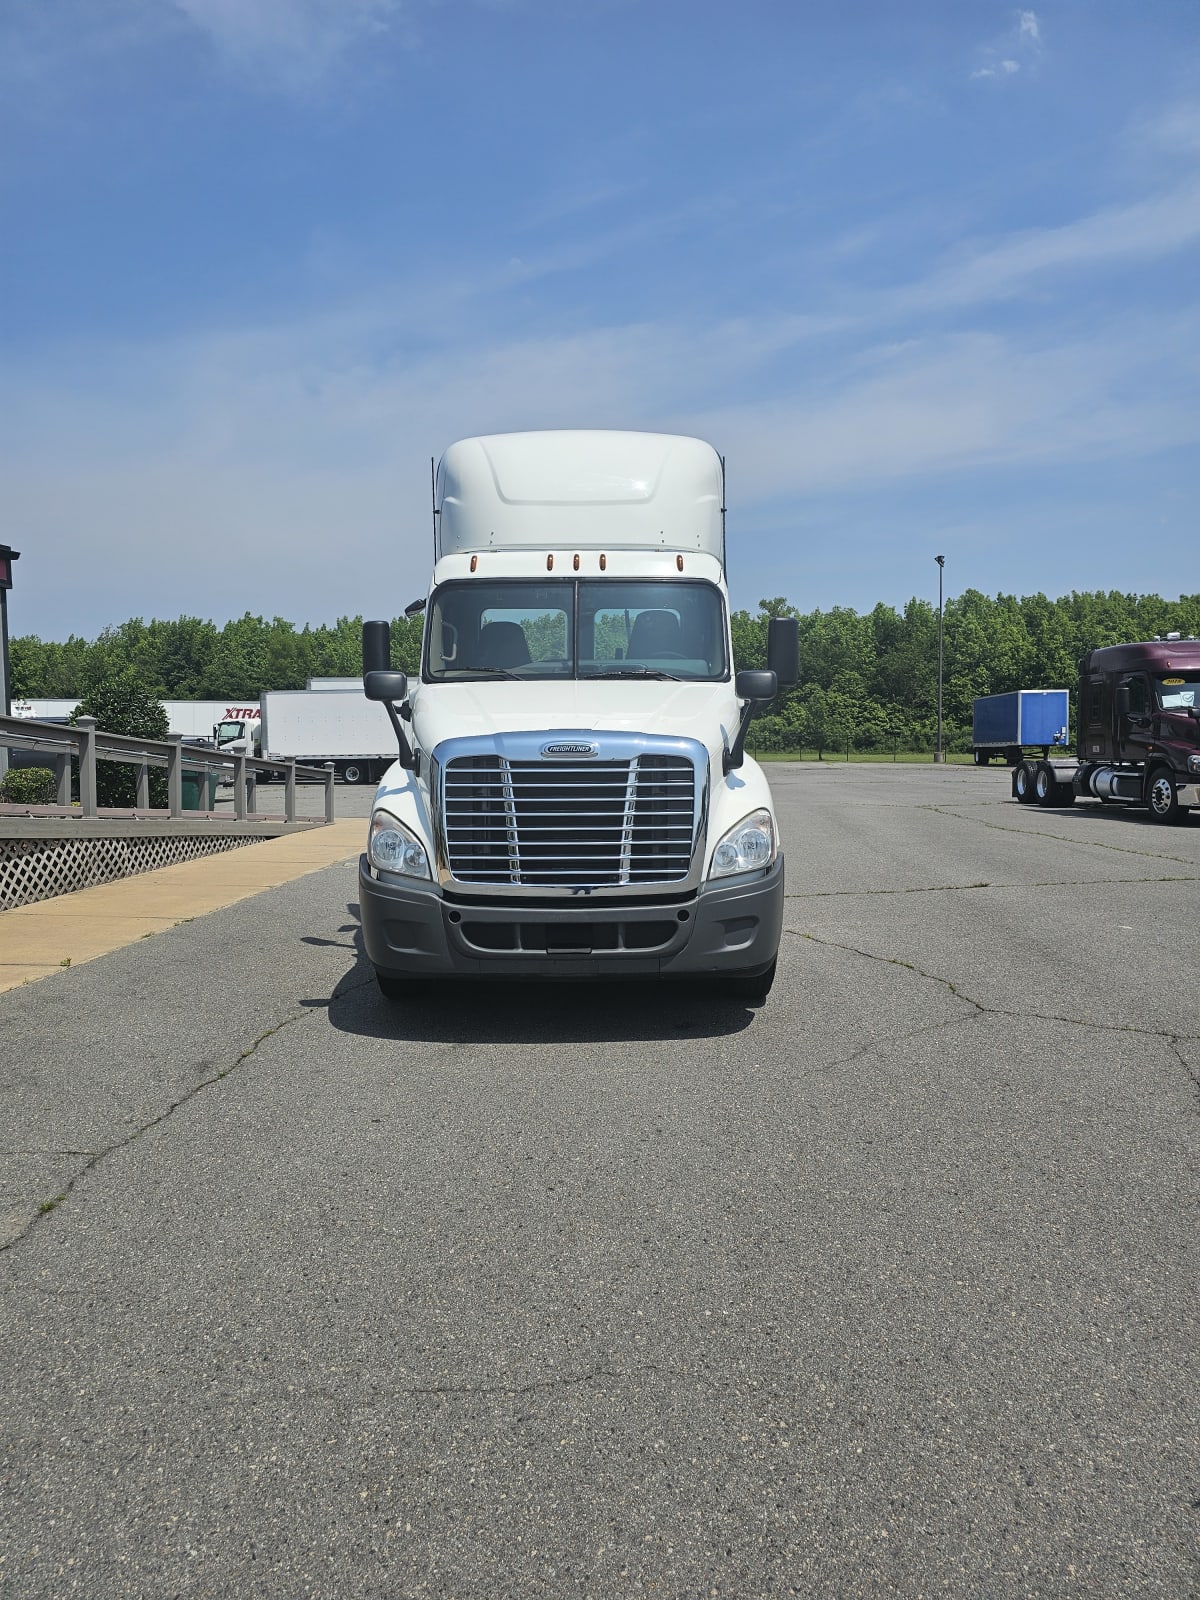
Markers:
point(39, 869)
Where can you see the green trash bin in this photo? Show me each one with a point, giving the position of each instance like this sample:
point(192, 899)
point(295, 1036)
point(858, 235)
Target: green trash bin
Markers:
point(197, 793)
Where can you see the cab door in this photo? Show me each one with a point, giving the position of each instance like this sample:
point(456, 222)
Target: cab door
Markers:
point(1135, 730)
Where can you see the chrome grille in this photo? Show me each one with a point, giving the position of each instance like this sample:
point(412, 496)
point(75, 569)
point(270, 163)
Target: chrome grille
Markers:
point(569, 824)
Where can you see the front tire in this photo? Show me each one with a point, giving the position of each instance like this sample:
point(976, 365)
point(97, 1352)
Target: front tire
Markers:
point(1161, 800)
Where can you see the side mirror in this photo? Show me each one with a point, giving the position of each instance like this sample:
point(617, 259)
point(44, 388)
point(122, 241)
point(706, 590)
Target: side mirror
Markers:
point(376, 649)
point(758, 689)
point(755, 685)
point(381, 683)
point(1122, 700)
point(385, 685)
point(783, 650)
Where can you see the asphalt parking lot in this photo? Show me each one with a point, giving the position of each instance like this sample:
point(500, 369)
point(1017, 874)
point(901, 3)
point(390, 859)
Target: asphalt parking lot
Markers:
point(886, 1288)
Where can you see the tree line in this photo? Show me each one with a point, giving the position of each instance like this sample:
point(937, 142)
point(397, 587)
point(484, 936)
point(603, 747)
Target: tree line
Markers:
point(190, 659)
point(868, 681)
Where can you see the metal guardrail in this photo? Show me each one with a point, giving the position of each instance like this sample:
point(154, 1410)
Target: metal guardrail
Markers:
point(88, 744)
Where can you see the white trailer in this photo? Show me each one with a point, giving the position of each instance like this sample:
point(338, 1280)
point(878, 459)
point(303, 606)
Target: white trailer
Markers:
point(194, 719)
point(45, 710)
point(328, 722)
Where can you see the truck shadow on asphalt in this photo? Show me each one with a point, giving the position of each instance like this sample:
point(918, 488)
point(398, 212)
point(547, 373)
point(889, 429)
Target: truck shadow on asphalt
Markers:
point(524, 1011)
point(1114, 814)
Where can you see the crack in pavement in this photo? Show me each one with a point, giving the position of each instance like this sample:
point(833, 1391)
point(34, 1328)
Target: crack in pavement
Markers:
point(949, 888)
point(20, 1152)
point(96, 1157)
point(1174, 1040)
point(574, 1380)
point(1059, 838)
point(1192, 1073)
point(893, 1040)
point(351, 988)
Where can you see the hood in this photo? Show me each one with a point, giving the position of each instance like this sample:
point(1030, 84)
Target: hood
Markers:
point(1178, 724)
point(707, 712)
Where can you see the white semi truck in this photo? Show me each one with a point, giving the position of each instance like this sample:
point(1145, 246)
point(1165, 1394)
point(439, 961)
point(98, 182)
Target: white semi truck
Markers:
point(572, 797)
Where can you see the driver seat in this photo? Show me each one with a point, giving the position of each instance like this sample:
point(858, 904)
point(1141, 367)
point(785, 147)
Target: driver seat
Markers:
point(502, 644)
point(655, 633)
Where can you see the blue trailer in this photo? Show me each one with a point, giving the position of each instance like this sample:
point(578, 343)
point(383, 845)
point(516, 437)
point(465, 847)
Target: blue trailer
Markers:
point(1006, 725)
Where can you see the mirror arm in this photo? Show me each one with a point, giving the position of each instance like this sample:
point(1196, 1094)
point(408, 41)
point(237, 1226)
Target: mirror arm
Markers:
point(736, 753)
point(408, 758)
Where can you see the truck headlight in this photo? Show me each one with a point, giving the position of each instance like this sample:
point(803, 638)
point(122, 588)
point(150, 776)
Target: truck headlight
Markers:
point(750, 847)
point(1194, 764)
point(392, 848)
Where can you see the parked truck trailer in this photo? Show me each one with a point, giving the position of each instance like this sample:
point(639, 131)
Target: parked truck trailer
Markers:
point(194, 719)
point(325, 722)
point(1008, 725)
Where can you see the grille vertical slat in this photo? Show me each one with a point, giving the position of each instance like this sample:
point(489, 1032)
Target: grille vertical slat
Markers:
point(597, 824)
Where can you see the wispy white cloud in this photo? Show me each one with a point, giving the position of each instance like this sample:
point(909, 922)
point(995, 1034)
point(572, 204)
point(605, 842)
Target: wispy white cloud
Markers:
point(1177, 130)
point(289, 475)
point(966, 403)
point(294, 43)
point(52, 55)
point(1144, 229)
point(265, 447)
point(266, 451)
point(1020, 46)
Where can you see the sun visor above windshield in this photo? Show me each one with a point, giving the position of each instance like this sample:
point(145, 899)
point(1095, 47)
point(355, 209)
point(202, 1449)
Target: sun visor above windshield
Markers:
point(579, 491)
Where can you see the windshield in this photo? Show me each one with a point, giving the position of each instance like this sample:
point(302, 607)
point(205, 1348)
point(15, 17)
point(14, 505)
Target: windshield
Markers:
point(1177, 691)
point(227, 732)
point(576, 628)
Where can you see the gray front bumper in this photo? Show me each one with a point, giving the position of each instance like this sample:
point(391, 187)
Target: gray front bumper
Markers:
point(412, 932)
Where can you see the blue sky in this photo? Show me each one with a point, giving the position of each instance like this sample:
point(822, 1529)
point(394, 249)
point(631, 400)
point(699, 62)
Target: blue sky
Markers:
point(926, 274)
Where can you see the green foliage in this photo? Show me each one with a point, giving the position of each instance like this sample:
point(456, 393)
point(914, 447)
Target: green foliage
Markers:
point(120, 703)
point(867, 680)
point(28, 786)
point(406, 643)
point(546, 634)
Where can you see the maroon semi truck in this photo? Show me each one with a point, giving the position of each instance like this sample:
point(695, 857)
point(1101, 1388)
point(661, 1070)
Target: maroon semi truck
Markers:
point(1137, 733)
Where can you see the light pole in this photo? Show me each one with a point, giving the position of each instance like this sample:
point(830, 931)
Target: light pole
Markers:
point(939, 754)
point(7, 556)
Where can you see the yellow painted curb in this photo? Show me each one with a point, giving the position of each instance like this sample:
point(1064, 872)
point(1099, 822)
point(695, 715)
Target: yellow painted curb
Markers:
point(44, 938)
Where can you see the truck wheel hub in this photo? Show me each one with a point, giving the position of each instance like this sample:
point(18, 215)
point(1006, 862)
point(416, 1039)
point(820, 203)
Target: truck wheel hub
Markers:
point(1162, 792)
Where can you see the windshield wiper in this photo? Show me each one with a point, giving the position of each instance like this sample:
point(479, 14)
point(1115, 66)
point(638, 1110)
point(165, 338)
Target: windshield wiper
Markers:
point(635, 672)
point(494, 672)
